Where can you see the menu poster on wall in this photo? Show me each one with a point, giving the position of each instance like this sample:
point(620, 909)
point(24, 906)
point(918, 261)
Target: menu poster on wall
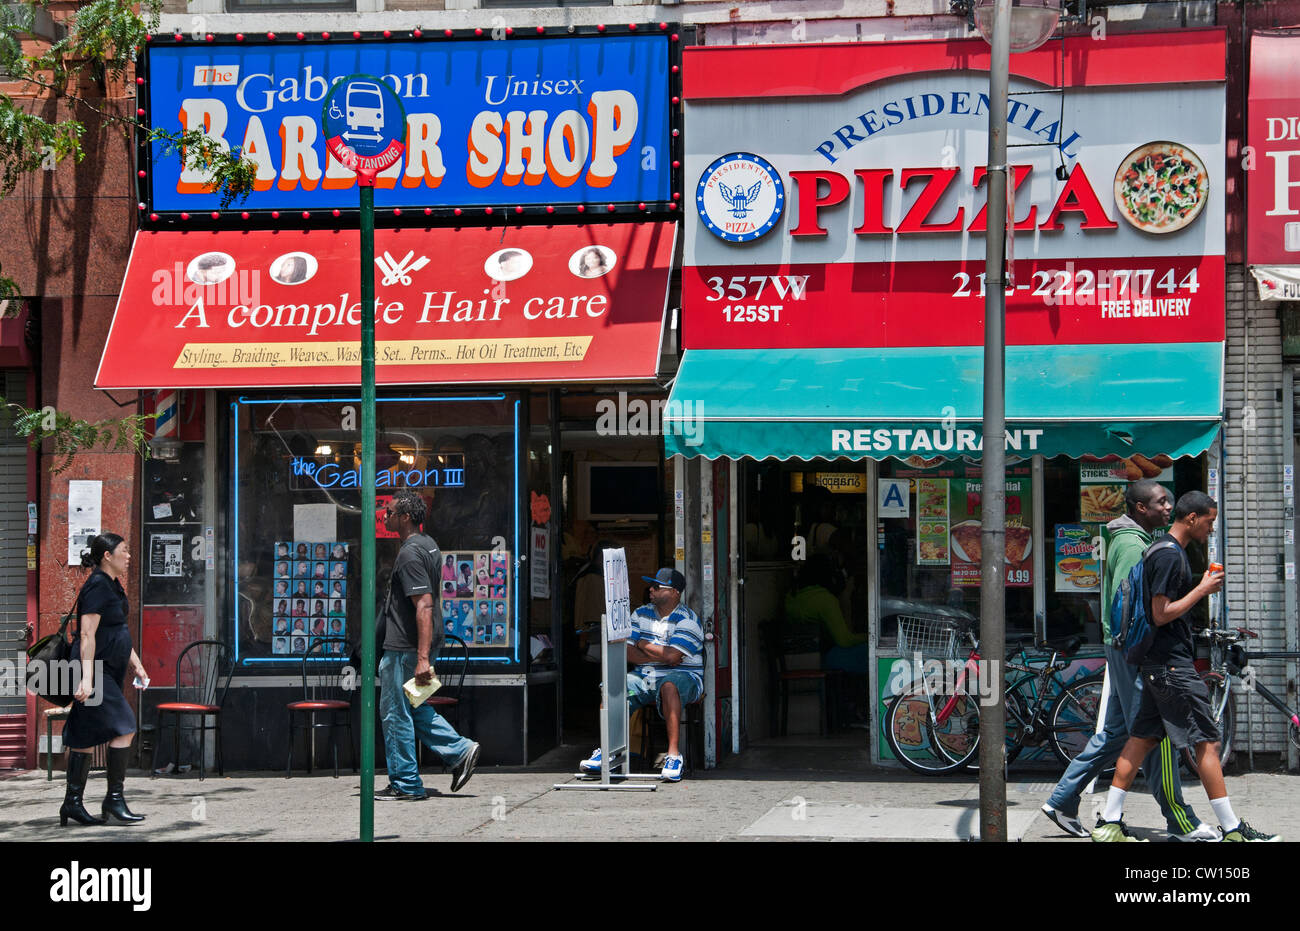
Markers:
point(1077, 567)
point(165, 554)
point(965, 533)
point(932, 521)
point(310, 597)
point(475, 597)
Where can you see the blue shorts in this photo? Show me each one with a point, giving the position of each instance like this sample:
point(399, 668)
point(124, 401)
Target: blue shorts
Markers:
point(640, 693)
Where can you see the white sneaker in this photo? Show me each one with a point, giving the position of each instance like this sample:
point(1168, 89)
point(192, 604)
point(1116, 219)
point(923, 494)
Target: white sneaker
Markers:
point(672, 771)
point(592, 763)
point(1202, 833)
point(1070, 825)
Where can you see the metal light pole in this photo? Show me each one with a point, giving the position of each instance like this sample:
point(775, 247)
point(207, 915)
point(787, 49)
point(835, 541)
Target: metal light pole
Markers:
point(366, 154)
point(367, 183)
point(993, 635)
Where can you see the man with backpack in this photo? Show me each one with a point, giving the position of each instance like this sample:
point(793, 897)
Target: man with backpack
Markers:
point(1175, 702)
point(410, 639)
point(1128, 538)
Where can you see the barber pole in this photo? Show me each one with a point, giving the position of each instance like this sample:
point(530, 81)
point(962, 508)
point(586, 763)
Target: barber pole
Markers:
point(165, 406)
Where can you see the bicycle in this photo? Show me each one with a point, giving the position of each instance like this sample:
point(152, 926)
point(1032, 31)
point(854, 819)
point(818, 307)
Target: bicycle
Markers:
point(932, 727)
point(1229, 657)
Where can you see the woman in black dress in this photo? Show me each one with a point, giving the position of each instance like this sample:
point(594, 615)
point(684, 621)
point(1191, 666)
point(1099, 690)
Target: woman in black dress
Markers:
point(102, 638)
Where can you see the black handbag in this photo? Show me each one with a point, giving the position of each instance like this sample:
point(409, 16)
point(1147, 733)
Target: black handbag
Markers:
point(48, 671)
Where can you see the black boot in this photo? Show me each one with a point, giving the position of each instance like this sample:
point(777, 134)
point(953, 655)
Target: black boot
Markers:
point(78, 770)
point(115, 810)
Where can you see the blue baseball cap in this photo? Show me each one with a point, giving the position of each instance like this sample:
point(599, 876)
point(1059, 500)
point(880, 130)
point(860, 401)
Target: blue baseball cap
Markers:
point(667, 578)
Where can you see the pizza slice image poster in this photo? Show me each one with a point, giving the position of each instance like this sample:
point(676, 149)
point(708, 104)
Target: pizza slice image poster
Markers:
point(965, 511)
point(932, 521)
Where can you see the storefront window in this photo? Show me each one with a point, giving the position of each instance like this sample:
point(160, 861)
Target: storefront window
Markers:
point(540, 542)
point(1080, 498)
point(929, 542)
point(174, 579)
point(298, 526)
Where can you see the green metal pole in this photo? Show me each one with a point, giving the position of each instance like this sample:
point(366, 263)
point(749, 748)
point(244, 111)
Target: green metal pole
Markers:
point(367, 510)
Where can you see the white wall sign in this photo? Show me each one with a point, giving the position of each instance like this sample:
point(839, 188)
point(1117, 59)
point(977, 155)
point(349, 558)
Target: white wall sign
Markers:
point(85, 506)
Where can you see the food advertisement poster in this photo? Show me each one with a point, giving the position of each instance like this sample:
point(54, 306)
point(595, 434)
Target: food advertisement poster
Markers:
point(1102, 484)
point(965, 533)
point(1077, 567)
point(932, 521)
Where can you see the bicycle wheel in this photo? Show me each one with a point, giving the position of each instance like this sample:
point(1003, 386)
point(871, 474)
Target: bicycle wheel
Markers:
point(927, 746)
point(1224, 705)
point(1073, 718)
point(1018, 704)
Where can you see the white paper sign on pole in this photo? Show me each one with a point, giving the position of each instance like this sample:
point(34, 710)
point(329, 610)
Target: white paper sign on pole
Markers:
point(618, 606)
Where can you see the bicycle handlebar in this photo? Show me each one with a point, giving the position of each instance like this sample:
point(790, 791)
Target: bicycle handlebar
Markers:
point(1227, 635)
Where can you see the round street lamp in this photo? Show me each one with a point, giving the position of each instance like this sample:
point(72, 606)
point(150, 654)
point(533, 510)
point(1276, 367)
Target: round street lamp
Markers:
point(1032, 22)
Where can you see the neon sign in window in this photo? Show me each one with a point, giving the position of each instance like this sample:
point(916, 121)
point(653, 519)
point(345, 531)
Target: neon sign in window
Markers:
point(334, 475)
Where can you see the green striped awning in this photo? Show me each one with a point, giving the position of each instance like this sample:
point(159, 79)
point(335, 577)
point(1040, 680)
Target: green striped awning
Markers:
point(1093, 400)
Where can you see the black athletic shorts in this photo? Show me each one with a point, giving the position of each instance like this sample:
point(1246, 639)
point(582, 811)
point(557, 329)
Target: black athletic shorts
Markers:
point(1175, 703)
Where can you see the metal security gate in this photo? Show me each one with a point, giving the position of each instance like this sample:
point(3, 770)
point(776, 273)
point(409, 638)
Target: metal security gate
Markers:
point(13, 568)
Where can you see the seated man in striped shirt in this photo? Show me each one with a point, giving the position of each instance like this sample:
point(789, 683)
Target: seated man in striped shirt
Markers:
point(667, 648)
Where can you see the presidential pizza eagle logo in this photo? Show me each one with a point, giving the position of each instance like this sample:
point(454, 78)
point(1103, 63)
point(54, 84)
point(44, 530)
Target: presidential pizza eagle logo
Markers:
point(740, 197)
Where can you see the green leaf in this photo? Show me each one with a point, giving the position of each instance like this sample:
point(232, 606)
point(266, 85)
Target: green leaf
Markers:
point(70, 436)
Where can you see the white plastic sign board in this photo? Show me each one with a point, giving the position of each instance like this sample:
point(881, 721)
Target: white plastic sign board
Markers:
point(893, 498)
point(618, 606)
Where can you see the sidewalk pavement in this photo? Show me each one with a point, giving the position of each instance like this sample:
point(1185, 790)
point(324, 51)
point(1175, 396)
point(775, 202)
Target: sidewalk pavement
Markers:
point(751, 798)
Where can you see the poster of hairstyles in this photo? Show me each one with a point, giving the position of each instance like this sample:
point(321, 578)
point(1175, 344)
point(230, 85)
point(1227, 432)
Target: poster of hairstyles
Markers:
point(314, 576)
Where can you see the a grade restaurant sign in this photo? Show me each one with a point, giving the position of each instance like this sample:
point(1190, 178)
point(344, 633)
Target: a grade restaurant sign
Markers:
point(1118, 223)
point(525, 121)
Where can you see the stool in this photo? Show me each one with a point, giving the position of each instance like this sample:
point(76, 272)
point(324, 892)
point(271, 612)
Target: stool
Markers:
point(693, 744)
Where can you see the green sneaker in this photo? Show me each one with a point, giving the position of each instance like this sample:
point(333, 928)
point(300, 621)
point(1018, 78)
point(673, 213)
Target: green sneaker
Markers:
point(1244, 832)
point(1112, 831)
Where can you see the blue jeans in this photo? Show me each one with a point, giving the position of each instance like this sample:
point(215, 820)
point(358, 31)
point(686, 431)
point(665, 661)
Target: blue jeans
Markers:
point(1160, 766)
point(402, 724)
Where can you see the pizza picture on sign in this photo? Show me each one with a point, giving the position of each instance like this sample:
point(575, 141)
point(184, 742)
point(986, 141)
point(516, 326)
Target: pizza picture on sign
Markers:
point(1161, 187)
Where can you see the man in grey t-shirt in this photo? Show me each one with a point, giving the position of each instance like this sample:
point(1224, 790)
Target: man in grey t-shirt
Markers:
point(410, 638)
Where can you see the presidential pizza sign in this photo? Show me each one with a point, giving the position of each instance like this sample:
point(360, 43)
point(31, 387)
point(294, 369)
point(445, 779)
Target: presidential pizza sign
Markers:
point(841, 193)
